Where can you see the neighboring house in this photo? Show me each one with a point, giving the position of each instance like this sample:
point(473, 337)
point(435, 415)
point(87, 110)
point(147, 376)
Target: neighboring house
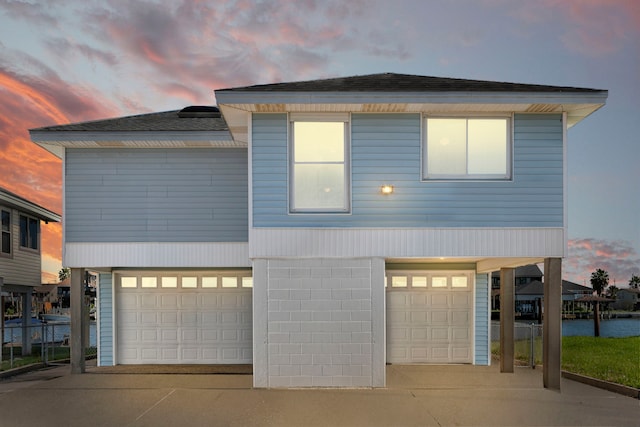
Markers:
point(20, 250)
point(627, 299)
point(530, 295)
point(319, 229)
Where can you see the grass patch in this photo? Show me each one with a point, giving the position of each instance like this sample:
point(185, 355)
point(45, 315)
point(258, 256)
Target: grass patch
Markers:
point(53, 353)
point(611, 359)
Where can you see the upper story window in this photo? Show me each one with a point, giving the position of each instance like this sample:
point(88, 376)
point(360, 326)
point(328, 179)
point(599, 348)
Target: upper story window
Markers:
point(319, 163)
point(467, 148)
point(6, 232)
point(29, 228)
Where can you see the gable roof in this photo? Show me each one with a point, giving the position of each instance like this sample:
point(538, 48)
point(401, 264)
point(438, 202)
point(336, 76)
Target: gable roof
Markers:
point(153, 130)
point(537, 288)
point(404, 93)
point(14, 201)
point(392, 82)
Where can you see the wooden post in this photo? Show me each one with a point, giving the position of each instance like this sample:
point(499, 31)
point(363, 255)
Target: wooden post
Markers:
point(552, 325)
point(77, 321)
point(507, 318)
point(596, 319)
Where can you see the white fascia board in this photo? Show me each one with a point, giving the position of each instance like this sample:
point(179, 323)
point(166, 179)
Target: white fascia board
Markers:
point(38, 136)
point(454, 97)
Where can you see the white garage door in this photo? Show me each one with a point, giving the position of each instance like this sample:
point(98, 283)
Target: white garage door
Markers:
point(429, 317)
point(186, 318)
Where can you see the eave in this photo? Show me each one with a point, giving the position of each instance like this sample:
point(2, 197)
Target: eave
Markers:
point(56, 141)
point(21, 204)
point(237, 105)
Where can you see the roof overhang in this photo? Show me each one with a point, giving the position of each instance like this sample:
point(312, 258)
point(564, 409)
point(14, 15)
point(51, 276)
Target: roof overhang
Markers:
point(237, 105)
point(16, 202)
point(56, 141)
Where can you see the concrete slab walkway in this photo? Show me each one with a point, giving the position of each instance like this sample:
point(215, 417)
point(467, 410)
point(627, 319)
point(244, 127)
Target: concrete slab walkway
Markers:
point(415, 396)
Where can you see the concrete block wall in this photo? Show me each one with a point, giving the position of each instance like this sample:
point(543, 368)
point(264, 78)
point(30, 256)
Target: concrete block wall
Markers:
point(322, 323)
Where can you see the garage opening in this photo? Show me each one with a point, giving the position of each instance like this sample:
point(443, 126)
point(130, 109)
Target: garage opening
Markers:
point(183, 318)
point(429, 316)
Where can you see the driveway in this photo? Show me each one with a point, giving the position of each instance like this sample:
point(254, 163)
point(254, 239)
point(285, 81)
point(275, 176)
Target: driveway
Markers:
point(415, 396)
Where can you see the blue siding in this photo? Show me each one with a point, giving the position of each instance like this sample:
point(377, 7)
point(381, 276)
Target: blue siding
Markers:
point(156, 195)
point(482, 350)
point(386, 148)
point(105, 320)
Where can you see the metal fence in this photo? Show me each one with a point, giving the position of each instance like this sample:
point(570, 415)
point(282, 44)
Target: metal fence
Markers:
point(527, 342)
point(49, 344)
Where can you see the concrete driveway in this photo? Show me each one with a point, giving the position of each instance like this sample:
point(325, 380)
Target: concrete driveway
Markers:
point(415, 396)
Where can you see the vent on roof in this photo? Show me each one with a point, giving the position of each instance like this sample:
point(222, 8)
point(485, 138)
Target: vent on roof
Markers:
point(200, 111)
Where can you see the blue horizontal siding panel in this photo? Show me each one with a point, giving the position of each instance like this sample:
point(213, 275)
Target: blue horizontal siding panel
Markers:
point(482, 350)
point(386, 149)
point(156, 195)
point(105, 319)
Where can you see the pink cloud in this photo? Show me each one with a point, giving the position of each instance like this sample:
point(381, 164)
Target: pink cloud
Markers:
point(618, 258)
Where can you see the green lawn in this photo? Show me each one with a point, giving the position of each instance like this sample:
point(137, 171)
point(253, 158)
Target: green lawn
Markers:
point(56, 353)
point(611, 359)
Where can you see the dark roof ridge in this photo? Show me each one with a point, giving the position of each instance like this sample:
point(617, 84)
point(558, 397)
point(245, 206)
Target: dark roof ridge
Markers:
point(398, 82)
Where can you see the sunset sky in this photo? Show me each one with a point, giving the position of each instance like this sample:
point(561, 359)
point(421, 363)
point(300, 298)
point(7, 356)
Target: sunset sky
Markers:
point(76, 60)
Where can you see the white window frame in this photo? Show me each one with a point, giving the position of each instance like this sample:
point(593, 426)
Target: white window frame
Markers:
point(508, 176)
point(320, 117)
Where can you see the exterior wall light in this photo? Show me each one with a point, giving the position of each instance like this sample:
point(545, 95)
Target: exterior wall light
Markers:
point(386, 189)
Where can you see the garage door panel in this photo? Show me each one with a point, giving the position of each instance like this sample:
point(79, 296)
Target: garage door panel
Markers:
point(439, 300)
point(439, 317)
point(169, 301)
point(175, 325)
point(149, 318)
point(148, 301)
point(419, 317)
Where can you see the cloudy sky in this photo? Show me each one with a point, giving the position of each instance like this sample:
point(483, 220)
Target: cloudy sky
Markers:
point(75, 60)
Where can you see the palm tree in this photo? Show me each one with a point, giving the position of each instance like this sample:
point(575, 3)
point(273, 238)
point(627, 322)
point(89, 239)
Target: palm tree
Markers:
point(634, 282)
point(64, 273)
point(599, 281)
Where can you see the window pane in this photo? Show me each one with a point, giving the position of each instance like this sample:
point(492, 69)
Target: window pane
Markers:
point(129, 282)
point(209, 282)
point(169, 282)
point(487, 146)
point(399, 281)
point(149, 282)
point(418, 282)
point(459, 282)
point(6, 221)
point(6, 243)
point(24, 232)
point(319, 186)
point(229, 282)
point(438, 282)
point(318, 141)
point(189, 282)
point(446, 146)
point(247, 282)
point(33, 233)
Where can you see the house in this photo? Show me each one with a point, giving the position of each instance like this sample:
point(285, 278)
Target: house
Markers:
point(321, 229)
point(627, 299)
point(20, 253)
point(529, 298)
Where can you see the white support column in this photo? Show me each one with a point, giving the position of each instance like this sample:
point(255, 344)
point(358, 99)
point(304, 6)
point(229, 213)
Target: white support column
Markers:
point(552, 325)
point(378, 312)
point(77, 321)
point(507, 318)
point(260, 324)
